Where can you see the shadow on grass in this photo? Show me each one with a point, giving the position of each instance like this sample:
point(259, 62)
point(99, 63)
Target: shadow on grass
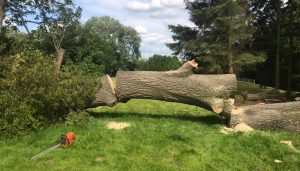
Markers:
point(208, 119)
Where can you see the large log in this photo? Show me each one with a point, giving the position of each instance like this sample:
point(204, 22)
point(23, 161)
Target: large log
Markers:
point(212, 92)
point(279, 116)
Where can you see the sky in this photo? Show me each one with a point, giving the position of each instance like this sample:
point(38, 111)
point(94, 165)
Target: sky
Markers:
point(150, 18)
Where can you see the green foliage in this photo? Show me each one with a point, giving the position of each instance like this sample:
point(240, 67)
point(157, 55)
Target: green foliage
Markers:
point(3, 43)
point(85, 67)
point(222, 34)
point(106, 42)
point(60, 20)
point(32, 95)
point(162, 136)
point(78, 117)
point(159, 63)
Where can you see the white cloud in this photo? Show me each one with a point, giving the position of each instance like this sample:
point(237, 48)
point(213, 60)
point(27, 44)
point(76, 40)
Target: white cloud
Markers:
point(169, 13)
point(153, 5)
point(172, 3)
point(141, 29)
point(156, 38)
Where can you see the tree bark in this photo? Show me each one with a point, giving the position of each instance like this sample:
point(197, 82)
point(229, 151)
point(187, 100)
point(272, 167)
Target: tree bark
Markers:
point(279, 116)
point(212, 92)
point(290, 65)
point(60, 52)
point(3, 4)
point(277, 65)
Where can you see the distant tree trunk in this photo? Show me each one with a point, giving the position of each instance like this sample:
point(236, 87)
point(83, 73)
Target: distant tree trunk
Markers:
point(230, 53)
point(60, 52)
point(290, 65)
point(277, 65)
point(3, 4)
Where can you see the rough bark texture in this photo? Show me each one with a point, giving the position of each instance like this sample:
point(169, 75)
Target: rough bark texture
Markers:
point(3, 4)
point(60, 52)
point(253, 97)
point(279, 116)
point(212, 92)
point(209, 91)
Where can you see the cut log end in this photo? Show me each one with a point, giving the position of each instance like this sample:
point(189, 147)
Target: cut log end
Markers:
point(106, 95)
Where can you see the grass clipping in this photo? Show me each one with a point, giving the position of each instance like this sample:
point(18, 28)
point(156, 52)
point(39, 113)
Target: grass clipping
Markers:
point(118, 125)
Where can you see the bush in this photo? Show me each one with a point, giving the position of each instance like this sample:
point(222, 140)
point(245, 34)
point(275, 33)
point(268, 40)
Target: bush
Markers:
point(33, 95)
point(78, 117)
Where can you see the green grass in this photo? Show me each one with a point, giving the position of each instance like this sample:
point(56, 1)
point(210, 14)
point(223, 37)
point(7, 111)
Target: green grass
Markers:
point(163, 136)
point(251, 88)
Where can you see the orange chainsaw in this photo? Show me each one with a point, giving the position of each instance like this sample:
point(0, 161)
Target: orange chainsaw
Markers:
point(65, 141)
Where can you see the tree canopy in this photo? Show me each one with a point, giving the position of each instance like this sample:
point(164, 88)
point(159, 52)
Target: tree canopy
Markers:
point(107, 42)
point(222, 33)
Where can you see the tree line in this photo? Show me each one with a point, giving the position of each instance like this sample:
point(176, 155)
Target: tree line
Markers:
point(258, 39)
point(50, 63)
point(100, 45)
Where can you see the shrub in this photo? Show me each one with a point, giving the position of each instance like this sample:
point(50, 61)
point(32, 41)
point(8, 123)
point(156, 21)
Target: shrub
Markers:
point(76, 117)
point(33, 95)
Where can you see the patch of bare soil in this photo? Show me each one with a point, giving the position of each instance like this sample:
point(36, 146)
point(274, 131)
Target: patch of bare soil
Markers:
point(118, 125)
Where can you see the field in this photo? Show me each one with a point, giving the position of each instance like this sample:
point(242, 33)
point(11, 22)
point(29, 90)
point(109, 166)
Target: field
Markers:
point(162, 136)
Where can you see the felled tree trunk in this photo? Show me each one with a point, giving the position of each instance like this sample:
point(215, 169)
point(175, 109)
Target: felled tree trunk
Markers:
point(212, 92)
point(279, 116)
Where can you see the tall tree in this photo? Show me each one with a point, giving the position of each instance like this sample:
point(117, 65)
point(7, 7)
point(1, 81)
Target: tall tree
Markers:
point(109, 43)
point(3, 4)
point(222, 33)
point(277, 67)
point(60, 20)
point(290, 23)
point(19, 13)
point(276, 28)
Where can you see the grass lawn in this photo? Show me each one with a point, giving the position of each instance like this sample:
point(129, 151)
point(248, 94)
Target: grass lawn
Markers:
point(251, 88)
point(163, 136)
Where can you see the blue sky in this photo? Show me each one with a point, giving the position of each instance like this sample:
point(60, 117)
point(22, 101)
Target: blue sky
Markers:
point(149, 17)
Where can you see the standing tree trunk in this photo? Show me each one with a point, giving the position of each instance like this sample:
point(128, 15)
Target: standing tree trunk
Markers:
point(209, 91)
point(277, 65)
point(60, 52)
point(3, 4)
point(290, 65)
point(229, 50)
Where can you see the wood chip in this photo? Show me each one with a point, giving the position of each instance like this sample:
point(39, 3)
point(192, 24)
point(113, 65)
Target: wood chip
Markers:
point(277, 161)
point(98, 159)
point(242, 127)
point(118, 125)
point(288, 143)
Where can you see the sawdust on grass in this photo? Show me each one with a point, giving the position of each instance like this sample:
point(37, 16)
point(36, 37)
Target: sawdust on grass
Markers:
point(118, 125)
